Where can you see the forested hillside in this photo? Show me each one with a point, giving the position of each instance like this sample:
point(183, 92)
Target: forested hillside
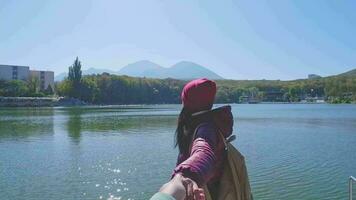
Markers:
point(113, 89)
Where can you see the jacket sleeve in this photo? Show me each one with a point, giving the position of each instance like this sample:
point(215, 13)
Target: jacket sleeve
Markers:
point(200, 165)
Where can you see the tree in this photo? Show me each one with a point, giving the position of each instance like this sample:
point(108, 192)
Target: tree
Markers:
point(64, 88)
point(114, 89)
point(49, 90)
point(33, 84)
point(75, 76)
point(75, 72)
point(3, 84)
point(16, 88)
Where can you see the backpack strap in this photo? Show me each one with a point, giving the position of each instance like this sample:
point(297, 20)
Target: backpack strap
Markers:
point(226, 140)
point(206, 192)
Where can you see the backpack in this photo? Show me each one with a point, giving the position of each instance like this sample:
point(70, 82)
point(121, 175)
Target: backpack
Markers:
point(234, 182)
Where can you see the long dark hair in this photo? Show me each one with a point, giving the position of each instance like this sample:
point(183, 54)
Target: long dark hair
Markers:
point(183, 132)
point(185, 129)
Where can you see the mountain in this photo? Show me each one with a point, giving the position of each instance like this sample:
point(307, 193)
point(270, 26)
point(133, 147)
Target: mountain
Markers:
point(182, 70)
point(143, 68)
point(348, 73)
point(60, 76)
point(190, 70)
point(89, 71)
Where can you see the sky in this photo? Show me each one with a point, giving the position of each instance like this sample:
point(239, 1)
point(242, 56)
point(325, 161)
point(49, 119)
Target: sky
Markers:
point(256, 39)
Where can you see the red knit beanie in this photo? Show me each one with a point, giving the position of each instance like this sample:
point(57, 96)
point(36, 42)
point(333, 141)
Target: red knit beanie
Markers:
point(198, 95)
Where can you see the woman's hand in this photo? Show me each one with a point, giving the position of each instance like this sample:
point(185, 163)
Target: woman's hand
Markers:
point(193, 192)
point(175, 188)
point(182, 188)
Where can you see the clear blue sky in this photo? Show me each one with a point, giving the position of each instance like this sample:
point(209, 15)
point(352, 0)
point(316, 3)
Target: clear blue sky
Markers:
point(271, 39)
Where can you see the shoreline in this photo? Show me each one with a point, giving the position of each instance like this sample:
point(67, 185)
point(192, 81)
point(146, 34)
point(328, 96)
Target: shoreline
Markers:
point(69, 102)
point(40, 102)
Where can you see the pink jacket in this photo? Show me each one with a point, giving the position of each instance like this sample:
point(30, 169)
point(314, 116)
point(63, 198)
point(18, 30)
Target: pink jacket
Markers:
point(204, 164)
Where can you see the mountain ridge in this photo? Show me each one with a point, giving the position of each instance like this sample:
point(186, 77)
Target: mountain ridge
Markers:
point(89, 71)
point(184, 70)
point(140, 68)
point(351, 72)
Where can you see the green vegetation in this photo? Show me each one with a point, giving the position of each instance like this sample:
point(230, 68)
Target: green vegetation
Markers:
point(114, 89)
point(75, 78)
point(335, 89)
point(20, 88)
point(13, 88)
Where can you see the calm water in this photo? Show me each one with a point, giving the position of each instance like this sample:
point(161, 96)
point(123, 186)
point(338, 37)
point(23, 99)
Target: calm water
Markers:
point(292, 151)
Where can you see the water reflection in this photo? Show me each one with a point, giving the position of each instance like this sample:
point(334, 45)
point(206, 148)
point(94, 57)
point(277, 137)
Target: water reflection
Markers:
point(25, 122)
point(74, 124)
point(109, 121)
point(93, 120)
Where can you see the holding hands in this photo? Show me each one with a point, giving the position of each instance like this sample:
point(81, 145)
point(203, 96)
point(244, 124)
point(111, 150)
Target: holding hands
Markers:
point(182, 188)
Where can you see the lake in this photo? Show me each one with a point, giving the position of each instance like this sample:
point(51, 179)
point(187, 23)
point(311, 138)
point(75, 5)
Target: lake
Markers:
point(293, 151)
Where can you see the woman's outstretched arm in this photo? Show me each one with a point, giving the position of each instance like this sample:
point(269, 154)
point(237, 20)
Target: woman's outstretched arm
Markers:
point(202, 160)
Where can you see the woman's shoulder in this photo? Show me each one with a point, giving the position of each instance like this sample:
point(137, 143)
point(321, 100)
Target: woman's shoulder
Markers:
point(206, 130)
point(206, 126)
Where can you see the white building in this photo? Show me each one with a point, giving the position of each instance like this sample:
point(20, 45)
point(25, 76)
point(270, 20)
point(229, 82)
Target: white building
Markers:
point(14, 72)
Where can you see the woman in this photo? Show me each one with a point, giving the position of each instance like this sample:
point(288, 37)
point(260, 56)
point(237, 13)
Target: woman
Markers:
point(198, 135)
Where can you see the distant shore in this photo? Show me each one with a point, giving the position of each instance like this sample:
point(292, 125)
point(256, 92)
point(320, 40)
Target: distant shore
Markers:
point(39, 102)
point(64, 101)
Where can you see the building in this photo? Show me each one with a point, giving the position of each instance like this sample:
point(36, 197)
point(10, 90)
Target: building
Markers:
point(46, 78)
point(14, 72)
point(314, 100)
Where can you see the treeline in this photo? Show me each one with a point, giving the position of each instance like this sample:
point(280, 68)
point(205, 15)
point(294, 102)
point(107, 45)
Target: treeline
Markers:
point(21, 88)
point(335, 89)
point(114, 89)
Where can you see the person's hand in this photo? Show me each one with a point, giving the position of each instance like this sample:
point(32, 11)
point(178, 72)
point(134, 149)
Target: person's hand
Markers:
point(175, 188)
point(193, 192)
point(182, 188)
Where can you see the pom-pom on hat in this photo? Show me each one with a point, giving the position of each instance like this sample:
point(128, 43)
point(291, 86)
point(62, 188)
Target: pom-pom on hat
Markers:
point(198, 95)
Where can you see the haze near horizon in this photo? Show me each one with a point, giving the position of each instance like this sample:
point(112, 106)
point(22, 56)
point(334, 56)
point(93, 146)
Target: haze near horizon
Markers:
point(236, 39)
